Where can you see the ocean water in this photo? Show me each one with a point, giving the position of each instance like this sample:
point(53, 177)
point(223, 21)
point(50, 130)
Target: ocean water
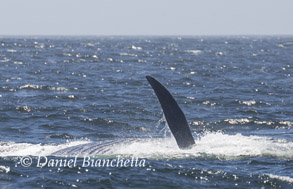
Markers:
point(86, 99)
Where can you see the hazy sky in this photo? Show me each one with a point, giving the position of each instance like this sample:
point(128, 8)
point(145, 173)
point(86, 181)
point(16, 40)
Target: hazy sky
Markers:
point(146, 17)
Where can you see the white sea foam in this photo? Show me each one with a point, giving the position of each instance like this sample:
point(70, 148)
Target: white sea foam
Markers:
point(71, 96)
point(127, 54)
point(249, 102)
point(237, 121)
point(217, 145)
point(281, 178)
point(4, 169)
point(212, 144)
point(264, 122)
point(232, 146)
point(63, 89)
point(18, 62)
point(25, 108)
point(5, 60)
point(219, 53)
point(209, 103)
point(23, 149)
point(136, 48)
point(195, 52)
point(286, 123)
point(11, 51)
point(33, 86)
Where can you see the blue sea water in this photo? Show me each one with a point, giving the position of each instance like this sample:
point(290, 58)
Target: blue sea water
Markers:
point(83, 93)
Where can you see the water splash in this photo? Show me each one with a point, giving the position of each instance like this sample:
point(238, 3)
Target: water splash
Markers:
point(212, 144)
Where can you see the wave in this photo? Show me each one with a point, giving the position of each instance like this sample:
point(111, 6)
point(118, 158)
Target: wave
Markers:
point(4, 169)
point(128, 54)
point(23, 149)
point(135, 47)
point(281, 178)
point(36, 87)
point(214, 145)
point(287, 44)
point(195, 52)
point(246, 121)
point(248, 103)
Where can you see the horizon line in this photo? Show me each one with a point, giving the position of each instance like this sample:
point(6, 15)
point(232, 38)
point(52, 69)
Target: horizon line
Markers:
point(145, 35)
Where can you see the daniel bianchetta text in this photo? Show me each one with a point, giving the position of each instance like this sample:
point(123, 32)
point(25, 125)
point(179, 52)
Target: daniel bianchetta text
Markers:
point(86, 161)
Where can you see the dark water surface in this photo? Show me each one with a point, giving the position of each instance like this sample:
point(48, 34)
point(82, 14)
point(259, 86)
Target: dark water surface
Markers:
point(63, 92)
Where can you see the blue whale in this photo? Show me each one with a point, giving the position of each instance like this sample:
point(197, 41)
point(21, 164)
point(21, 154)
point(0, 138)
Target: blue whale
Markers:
point(174, 116)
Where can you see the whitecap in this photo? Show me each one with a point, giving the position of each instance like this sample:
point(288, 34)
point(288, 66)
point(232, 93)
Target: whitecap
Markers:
point(172, 68)
point(63, 89)
point(33, 86)
point(220, 53)
point(281, 178)
point(237, 121)
point(136, 48)
point(209, 103)
point(4, 169)
point(288, 123)
point(264, 122)
point(127, 54)
point(24, 108)
point(11, 50)
point(30, 86)
point(17, 62)
point(71, 96)
point(195, 52)
point(248, 103)
point(288, 44)
point(5, 60)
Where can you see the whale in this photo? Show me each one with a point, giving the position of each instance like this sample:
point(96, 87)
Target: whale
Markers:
point(174, 116)
point(181, 145)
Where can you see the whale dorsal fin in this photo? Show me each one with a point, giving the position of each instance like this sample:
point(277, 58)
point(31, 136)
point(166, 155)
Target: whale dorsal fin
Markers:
point(173, 114)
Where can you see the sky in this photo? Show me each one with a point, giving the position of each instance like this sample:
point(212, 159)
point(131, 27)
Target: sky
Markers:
point(146, 17)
